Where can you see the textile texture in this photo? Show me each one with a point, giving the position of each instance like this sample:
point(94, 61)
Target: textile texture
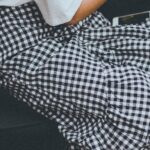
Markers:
point(92, 79)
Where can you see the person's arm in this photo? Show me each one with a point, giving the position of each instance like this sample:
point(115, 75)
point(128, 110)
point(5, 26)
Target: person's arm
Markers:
point(86, 8)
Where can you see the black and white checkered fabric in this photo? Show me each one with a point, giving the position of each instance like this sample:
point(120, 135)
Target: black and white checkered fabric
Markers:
point(92, 79)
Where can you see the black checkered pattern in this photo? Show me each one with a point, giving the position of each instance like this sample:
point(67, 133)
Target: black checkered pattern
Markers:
point(92, 79)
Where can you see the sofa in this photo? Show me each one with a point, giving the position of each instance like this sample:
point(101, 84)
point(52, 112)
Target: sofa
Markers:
point(23, 129)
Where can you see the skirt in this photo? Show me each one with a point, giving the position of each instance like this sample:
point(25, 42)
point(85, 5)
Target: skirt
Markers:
point(93, 79)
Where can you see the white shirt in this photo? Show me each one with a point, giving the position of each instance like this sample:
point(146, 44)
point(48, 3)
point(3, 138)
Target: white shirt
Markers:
point(55, 12)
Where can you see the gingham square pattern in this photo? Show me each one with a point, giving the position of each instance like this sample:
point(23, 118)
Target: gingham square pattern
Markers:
point(92, 79)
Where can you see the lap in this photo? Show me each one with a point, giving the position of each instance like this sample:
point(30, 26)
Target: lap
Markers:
point(95, 74)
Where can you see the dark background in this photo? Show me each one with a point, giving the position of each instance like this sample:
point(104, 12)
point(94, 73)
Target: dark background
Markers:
point(123, 7)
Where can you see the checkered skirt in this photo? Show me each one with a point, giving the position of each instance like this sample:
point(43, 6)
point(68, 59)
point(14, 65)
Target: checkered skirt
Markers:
point(92, 79)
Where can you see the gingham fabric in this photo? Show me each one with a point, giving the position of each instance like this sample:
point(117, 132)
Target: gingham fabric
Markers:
point(92, 79)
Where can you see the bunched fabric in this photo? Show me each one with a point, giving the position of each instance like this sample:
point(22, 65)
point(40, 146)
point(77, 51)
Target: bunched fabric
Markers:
point(92, 79)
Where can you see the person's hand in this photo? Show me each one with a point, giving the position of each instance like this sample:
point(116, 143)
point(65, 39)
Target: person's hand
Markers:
point(86, 8)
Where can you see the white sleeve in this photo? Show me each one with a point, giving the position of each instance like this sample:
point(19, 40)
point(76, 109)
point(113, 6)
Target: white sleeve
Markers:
point(56, 12)
point(13, 2)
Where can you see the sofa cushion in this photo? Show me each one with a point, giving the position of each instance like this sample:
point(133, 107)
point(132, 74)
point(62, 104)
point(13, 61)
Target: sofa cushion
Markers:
point(23, 129)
